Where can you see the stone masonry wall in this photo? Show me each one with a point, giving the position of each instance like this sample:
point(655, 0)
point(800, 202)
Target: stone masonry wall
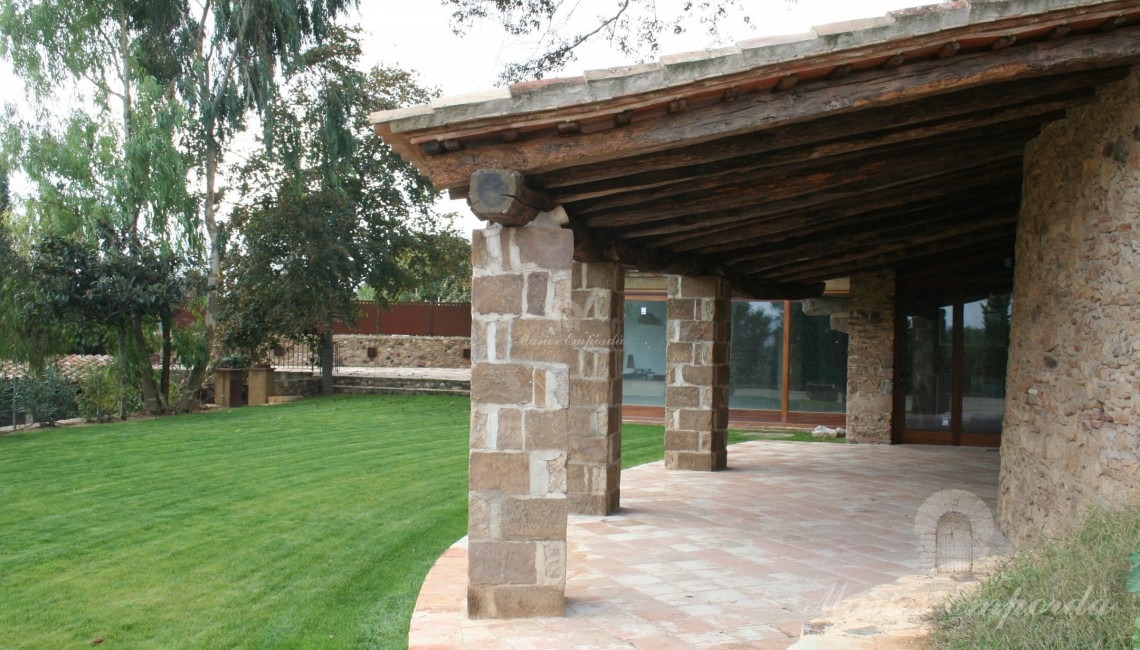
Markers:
point(870, 357)
point(520, 397)
point(1071, 436)
point(396, 351)
point(696, 373)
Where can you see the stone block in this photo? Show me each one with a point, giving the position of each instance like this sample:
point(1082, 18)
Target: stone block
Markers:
point(501, 563)
point(509, 432)
point(681, 440)
point(678, 397)
point(533, 519)
point(501, 383)
point(589, 391)
point(695, 420)
point(540, 340)
point(545, 429)
point(696, 331)
point(679, 353)
point(589, 450)
point(537, 285)
point(497, 294)
point(532, 601)
point(508, 472)
point(681, 309)
point(478, 517)
point(545, 247)
point(699, 375)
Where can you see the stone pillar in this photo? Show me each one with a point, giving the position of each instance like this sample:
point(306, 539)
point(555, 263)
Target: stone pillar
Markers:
point(260, 385)
point(227, 387)
point(696, 373)
point(522, 328)
point(594, 472)
point(871, 357)
point(1071, 435)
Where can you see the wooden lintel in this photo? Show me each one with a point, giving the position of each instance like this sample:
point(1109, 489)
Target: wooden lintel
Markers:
point(590, 248)
point(501, 196)
point(760, 111)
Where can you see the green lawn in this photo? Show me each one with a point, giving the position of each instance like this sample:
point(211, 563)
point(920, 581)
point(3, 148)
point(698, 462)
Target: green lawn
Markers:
point(306, 525)
point(303, 525)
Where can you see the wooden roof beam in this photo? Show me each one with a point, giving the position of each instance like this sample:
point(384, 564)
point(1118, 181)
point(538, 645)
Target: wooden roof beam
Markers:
point(919, 80)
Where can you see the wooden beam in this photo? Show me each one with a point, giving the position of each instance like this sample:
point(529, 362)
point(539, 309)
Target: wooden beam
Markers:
point(880, 229)
point(828, 227)
point(840, 167)
point(761, 220)
point(1013, 117)
point(960, 247)
point(915, 81)
point(501, 196)
point(974, 103)
point(832, 180)
point(841, 263)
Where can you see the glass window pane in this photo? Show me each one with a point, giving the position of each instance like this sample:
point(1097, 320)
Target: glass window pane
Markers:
point(817, 371)
point(929, 367)
point(756, 355)
point(985, 341)
point(643, 376)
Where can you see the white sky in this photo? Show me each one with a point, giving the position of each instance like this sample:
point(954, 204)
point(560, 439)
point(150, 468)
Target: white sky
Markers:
point(416, 34)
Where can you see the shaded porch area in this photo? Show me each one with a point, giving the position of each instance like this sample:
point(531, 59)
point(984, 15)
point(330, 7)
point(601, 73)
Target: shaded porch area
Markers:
point(738, 558)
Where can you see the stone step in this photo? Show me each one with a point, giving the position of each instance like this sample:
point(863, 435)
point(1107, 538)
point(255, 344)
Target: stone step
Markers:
point(284, 399)
point(398, 390)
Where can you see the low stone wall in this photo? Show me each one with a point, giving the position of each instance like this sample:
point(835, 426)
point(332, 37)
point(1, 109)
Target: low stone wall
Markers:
point(404, 351)
point(295, 383)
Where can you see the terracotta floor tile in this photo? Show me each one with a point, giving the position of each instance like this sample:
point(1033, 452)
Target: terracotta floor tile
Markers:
point(731, 559)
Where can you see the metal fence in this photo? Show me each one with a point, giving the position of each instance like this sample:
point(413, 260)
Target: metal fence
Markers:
point(301, 357)
point(411, 318)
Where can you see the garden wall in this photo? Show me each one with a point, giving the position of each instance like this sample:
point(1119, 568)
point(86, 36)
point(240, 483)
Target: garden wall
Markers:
point(356, 350)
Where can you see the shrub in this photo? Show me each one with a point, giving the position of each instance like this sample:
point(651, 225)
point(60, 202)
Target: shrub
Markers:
point(48, 396)
point(99, 395)
point(1067, 592)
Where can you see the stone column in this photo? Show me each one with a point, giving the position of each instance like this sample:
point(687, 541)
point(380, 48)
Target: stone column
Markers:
point(871, 357)
point(1071, 435)
point(260, 385)
point(594, 472)
point(696, 373)
point(522, 327)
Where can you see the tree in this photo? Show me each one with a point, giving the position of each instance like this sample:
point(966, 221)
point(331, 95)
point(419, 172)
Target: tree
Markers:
point(633, 27)
point(438, 267)
point(343, 209)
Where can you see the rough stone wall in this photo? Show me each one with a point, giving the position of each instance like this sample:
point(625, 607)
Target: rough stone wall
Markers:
point(1070, 436)
point(594, 471)
point(394, 351)
point(870, 357)
point(522, 324)
point(696, 373)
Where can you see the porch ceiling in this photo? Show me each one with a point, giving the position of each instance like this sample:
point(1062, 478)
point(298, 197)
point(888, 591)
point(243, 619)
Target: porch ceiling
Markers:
point(782, 163)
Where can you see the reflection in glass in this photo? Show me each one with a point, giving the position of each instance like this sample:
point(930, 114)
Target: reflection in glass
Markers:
point(643, 377)
point(817, 371)
point(929, 371)
point(756, 355)
point(985, 342)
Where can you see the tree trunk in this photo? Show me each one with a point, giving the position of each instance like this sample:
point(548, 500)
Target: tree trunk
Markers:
point(154, 403)
point(122, 344)
point(167, 354)
point(327, 360)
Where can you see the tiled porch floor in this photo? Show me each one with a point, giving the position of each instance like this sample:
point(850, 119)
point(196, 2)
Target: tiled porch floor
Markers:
point(733, 559)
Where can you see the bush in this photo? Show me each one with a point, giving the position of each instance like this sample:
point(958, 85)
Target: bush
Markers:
point(99, 395)
point(47, 396)
point(1068, 592)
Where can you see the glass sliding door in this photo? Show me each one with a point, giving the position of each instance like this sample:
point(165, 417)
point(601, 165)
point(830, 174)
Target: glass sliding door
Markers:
point(953, 346)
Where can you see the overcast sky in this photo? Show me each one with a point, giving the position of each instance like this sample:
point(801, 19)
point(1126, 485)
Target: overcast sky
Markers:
point(417, 35)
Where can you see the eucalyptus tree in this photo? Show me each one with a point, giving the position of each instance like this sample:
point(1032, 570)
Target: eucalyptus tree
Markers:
point(330, 209)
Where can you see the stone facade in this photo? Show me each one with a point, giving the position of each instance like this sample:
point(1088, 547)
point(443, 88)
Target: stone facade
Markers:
point(1071, 436)
point(594, 471)
point(394, 351)
point(696, 373)
point(545, 415)
point(870, 357)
